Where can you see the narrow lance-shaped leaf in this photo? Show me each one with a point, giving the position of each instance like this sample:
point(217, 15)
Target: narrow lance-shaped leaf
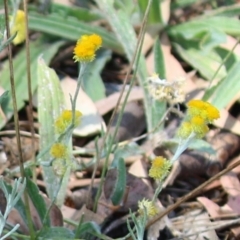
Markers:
point(120, 185)
point(50, 105)
point(159, 108)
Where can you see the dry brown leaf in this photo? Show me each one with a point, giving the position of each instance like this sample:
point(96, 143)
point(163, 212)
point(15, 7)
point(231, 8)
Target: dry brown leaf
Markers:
point(196, 225)
point(236, 169)
point(67, 212)
point(227, 121)
point(231, 185)
point(139, 169)
point(109, 103)
point(91, 121)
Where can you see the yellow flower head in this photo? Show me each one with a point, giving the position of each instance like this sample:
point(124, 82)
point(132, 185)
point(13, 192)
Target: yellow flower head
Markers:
point(86, 47)
point(199, 114)
point(96, 40)
point(19, 27)
point(148, 206)
point(59, 150)
point(184, 130)
point(199, 127)
point(203, 109)
point(65, 119)
point(160, 168)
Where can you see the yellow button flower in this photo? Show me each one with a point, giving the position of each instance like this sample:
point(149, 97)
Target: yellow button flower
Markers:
point(86, 47)
point(203, 109)
point(148, 206)
point(19, 27)
point(199, 127)
point(58, 150)
point(160, 168)
point(184, 130)
point(65, 120)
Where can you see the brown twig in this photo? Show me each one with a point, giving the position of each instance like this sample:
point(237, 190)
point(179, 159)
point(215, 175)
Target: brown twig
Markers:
point(191, 194)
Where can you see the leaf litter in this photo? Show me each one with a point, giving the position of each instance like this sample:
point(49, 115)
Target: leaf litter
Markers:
point(221, 200)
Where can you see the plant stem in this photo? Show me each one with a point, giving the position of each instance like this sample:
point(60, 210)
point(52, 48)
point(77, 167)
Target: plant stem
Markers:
point(136, 55)
point(30, 109)
point(79, 83)
point(16, 122)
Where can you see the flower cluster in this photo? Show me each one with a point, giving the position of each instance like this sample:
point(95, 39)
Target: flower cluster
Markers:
point(86, 47)
point(148, 206)
point(65, 120)
point(19, 27)
point(60, 153)
point(199, 114)
point(161, 89)
point(58, 150)
point(160, 168)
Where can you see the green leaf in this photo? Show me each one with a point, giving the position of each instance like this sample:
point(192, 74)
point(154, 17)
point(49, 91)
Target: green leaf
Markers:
point(92, 83)
point(71, 29)
point(3, 45)
point(230, 11)
point(154, 15)
point(202, 146)
point(159, 108)
point(182, 3)
point(19, 206)
point(38, 202)
point(228, 88)
point(212, 25)
point(4, 100)
point(50, 105)
point(87, 228)
point(120, 185)
point(159, 65)
point(197, 144)
point(205, 63)
point(56, 233)
point(228, 60)
point(20, 74)
point(82, 14)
